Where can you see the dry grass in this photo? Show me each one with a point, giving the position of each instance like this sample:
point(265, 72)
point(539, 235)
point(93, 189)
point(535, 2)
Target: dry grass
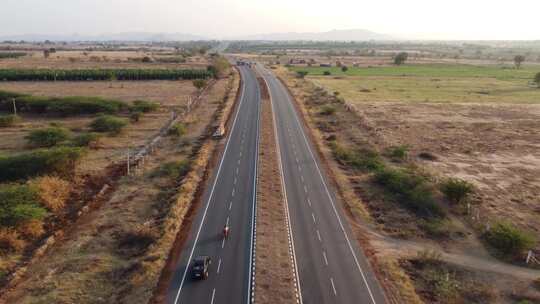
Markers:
point(32, 229)
point(53, 192)
point(10, 241)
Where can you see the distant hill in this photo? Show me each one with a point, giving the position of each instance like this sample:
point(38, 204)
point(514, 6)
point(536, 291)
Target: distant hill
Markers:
point(128, 36)
point(334, 35)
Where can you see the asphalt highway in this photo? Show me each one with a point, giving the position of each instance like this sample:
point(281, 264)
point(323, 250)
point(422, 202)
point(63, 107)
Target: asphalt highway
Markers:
point(230, 198)
point(331, 267)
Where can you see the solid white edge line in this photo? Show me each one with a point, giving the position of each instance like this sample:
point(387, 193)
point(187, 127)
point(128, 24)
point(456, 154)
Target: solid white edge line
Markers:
point(297, 275)
point(328, 193)
point(251, 289)
point(211, 194)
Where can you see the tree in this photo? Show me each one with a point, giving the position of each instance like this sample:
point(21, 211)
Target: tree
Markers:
point(220, 66)
point(537, 79)
point(400, 58)
point(344, 68)
point(199, 83)
point(301, 74)
point(518, 59)
point(46, 53)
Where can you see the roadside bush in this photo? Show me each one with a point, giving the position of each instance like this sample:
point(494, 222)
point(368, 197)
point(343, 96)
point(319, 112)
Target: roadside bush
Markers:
point(509, 239)
point(85, 139)
point(456, 190)
point(537, 79)
point(177, 130)
point(53, 192)
point(428, 257)
point(47, 137)
point(59, 161)
point(144, 106)
point(10, 241)
point(360, 160)
point(327, 73)
point(410, 190)
point(31, 229)
point(136, 241)
point(397, 152)
point(19, 203)
point(437, 228)
point(174, 170)
point(108, 123)
point(8, 120)
point(328, 110)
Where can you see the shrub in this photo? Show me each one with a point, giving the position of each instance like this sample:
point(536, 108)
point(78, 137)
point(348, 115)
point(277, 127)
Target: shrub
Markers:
point(537, 79)
point(428, 257)
point(47, 137)
point(135, 116)
point(199, 83)
point(438, 228)
point(10, 241)
point(137, 240)
point(456, 190)
point(144, 106)
point(344, 69)
point(509, 240)
point(398, 152)
point(410, 190)
point(327, 73)
point(174, 170)
point(64, 106)
point(301, 74)
point(108, 123)
point(177, 130)
point(102, 74)
point(85, 139)
point(328, 110)
point(18, 204)
point(31, 229)
point(8, 120)
point(400, 58)
point(59, 161)
point(52, 192)
point(361, 160)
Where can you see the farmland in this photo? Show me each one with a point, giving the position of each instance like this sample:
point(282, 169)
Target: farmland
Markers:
point(63, 159)
point(416, 129)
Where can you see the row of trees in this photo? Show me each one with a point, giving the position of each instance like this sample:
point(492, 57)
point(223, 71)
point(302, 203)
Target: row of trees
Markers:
point(102, 74)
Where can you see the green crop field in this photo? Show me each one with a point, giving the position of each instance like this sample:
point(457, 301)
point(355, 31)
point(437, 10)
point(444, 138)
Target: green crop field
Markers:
point(438, 70)
point(429, 83)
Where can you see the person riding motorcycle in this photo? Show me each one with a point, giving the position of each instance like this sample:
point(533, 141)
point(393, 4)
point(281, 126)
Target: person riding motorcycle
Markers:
point(226, 231)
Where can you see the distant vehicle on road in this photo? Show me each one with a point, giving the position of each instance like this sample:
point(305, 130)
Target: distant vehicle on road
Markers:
point(219, 133)
point(200, 267)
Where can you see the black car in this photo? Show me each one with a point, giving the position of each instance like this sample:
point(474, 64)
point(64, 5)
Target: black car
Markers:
point(200, 267)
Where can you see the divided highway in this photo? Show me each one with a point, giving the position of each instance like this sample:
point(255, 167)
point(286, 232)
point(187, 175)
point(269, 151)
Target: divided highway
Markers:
point(331, 266)
point(230, 198)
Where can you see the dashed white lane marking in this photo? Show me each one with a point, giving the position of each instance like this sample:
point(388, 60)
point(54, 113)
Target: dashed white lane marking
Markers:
point(324, 256)
point(235, 180)
point(227, 221)
point(223, 243)
point(302, 178)
point(233, 191)
point(230, 205)
point(309, 202)
point(299, 168)
point(239, 161)
point(213, 295)
point(219, 266)
point(318, 233)
point(333, 286)
point(240, 153)
point(313, 216)
point(305, 189)
point(237, 170)
point(297, 159)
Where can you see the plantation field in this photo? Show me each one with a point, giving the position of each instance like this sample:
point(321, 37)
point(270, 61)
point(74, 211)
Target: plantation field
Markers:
point(170, 95)
point(441, 84)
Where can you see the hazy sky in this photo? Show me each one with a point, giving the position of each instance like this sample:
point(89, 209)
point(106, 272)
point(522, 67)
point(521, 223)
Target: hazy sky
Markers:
point(457, 19)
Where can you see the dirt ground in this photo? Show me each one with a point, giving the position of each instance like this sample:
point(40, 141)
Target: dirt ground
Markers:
point(495, 146)
point(115, 254)
point(274, 275)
